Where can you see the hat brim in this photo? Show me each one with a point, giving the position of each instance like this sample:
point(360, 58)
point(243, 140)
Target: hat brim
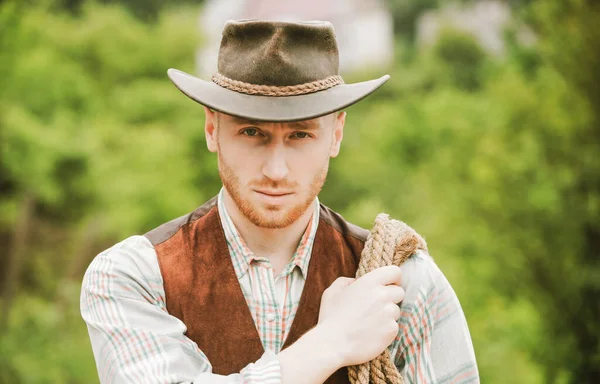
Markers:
point(271, 108)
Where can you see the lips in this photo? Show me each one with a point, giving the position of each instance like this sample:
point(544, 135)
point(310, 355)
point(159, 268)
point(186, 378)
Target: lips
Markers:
point(274, 193)
point(273, 198)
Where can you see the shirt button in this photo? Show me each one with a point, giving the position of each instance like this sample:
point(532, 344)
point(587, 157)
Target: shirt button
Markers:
point(270, 317)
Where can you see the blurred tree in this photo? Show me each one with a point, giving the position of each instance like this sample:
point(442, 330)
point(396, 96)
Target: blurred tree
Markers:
point(146, 10)
point(572, 45)
point(405, 14)
point(90, 132)
point(462, 57)
point(497, 164)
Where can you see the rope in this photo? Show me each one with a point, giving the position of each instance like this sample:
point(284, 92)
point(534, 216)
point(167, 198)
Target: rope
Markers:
point(273, 90)
point(390, 242)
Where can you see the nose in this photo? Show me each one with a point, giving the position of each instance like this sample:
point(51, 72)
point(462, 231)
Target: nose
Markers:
point(275, 166)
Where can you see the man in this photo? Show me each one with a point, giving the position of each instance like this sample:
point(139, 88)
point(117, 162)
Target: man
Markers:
point(256, 285)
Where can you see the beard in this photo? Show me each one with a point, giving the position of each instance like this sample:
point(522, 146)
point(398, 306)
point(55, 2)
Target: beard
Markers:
point(270, 216)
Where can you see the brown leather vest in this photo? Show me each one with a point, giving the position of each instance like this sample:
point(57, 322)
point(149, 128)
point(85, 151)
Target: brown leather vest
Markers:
point(202, 289)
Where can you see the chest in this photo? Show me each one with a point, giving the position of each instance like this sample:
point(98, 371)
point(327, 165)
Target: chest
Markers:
point(273, 301)
point(233, 320)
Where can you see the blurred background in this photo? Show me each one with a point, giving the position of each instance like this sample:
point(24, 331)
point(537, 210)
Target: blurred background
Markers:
point(486, 140)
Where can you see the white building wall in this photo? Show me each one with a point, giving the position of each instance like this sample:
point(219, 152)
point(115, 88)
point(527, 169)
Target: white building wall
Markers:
point(485, 20)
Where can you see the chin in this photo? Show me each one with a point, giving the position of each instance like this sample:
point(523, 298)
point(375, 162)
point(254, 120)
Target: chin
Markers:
point(273, 218)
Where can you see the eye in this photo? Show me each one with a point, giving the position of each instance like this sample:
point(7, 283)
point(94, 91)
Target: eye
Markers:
point(250, 132)
point(300, 135)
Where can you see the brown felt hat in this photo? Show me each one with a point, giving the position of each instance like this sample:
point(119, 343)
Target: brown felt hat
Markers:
point(276, 71)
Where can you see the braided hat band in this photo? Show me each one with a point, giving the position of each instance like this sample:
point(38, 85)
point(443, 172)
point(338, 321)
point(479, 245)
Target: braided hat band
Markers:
point(274, 90)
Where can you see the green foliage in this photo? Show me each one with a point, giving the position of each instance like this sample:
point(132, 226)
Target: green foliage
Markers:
point(145, 10)
point(91, 128)
point(47, 343)
point(405, 14)
point(495, 162)
point(77, 99)
point(499, 171)
point(460, 58)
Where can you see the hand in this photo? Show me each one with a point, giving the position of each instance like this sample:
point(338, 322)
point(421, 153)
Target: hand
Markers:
point(359, 317)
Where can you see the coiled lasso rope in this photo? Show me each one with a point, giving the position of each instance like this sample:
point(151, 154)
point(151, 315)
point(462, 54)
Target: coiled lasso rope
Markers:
point(390, 242)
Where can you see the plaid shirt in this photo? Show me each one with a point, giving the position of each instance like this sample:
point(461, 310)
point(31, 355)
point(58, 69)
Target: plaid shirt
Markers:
point(135, 340)
point(273, 300)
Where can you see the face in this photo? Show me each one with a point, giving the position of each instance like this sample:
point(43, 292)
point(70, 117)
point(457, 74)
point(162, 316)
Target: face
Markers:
point(273, 171)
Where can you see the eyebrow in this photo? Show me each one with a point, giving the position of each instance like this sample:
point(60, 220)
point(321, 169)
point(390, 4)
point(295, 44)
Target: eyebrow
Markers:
point(305, 125)
point(239, 120)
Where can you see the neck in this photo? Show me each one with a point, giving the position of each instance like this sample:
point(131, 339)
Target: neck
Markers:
point(276, 244)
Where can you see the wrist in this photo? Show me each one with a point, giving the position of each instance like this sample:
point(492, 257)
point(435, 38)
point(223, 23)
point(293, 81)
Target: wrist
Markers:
point(330, 347)
point(311, 359)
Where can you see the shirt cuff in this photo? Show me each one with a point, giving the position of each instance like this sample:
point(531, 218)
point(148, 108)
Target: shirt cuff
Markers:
point(265, 370)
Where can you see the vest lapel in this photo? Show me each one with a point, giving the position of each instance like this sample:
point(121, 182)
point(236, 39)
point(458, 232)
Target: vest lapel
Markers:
point(215, 310)
point(331, 258)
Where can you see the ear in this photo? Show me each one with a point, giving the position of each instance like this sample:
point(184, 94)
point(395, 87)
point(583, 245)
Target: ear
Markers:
point(338, 133)
point(210, 129)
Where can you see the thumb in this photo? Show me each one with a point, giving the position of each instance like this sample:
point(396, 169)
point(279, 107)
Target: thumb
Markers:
point(340, 283)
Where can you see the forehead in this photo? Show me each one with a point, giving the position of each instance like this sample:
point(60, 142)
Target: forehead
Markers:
point(303, 124)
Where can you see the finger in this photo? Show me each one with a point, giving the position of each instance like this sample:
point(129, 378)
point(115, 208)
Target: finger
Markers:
point(390, 274)
point(394, 310)
point(395, 293)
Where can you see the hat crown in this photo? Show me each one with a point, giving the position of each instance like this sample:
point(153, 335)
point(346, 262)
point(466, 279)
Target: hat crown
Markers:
point(278, 53)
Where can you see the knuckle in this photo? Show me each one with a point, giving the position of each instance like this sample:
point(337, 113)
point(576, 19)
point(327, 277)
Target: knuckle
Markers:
point(392, 310)
point(397, 312)
point(381, 294)
point(398, 270)
point(402, 294)
point(332, 286)
point(392, 329)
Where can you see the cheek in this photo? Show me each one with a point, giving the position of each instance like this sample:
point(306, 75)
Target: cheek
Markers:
point(238, 163)
point(305, 166)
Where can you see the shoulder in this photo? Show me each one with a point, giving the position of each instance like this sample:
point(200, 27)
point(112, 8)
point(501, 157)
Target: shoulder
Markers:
point(135, 252)
point(428, 293)
point(129, 264)
point(341, 225)
point(423, 282)
point(420, 272)
point(167, 230)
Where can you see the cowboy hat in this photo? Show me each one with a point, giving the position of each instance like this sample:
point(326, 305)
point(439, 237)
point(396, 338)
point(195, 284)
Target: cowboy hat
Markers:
point(276, 71)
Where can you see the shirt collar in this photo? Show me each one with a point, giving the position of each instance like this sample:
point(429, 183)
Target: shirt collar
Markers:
point(242, 256)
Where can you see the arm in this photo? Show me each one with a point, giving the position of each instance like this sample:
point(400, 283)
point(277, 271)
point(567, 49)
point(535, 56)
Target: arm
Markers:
point(135, 340)
point(311, 359)
point(133, 337)
point(433, 344)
